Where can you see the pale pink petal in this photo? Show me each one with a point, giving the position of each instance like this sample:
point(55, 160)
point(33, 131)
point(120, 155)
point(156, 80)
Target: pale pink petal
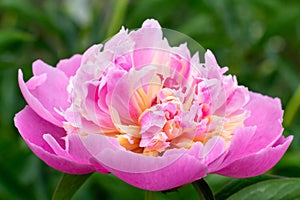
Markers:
point(91, 54)
point(151, 23)
point(121, 45)
point(125, 88)
point(210, 92)
point(146, 56)
point(212, 69)
point(237, 100)
point(150, 35)
point(213, 149)
point(52, 142)
point(70, 66)
point(257, 163)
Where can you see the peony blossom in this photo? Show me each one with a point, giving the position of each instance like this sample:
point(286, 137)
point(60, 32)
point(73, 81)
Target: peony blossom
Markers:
point(151, 114)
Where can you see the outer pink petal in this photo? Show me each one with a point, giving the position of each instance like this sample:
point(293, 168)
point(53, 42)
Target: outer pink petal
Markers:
point(32, 128)
point(174, 168)
point(266, 116)
point(46, 91)
point(185, 170)
point(59, 163)
point(53, 92)
point(70, 66)
point(257, 163)
point(263, 129)
point(34, 102)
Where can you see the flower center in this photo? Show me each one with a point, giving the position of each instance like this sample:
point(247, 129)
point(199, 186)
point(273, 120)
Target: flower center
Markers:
point(167, 124)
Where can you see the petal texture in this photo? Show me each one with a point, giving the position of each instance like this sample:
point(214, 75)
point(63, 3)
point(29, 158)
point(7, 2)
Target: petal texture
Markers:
point(33, 130)
point(257, 163)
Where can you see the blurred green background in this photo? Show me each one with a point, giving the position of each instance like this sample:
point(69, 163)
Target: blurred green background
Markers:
point(258, 40)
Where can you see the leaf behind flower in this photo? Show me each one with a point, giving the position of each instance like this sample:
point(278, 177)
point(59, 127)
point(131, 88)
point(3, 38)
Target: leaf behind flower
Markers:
point(68, 185)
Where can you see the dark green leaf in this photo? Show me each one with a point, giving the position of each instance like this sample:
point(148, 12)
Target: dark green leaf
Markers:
point(238, 184)
point(10, 36)
point(278, 189)
point(68, 186)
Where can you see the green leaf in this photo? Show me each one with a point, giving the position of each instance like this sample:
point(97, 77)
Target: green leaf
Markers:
point(203, 189)
point(278, 189)
point(68, 186)
point(11, 36)
point(238, 184)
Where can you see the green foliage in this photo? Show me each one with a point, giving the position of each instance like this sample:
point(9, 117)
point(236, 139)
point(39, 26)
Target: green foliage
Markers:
point(236, 185)
point(258, 40)
point(69, 185)
point(280, 189)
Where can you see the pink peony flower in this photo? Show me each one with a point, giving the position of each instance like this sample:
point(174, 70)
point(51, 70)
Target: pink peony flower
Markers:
point(151, 114)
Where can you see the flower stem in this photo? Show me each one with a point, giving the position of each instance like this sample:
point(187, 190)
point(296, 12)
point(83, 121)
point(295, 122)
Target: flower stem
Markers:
point(150, 195)
point(203, 189)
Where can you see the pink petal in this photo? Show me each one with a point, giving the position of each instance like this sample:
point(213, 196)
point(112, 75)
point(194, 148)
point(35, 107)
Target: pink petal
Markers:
point(151, 23)
point(263, 129)
point(237, 100)
point(46, 91)
point(34, 103)
point(257, 163)
point(75, 148)
point(176, 167)
point(126, 86)
point(70, 66)
point(213, 149)
point(150, 35)
point(59, 163)
point(52, 142)
point(53, 93)
point(266, 116)
point(185, 170)
point(212, 67)
point(32, 128)
point(90, 55)
point(240, 147)
point(145, 56)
